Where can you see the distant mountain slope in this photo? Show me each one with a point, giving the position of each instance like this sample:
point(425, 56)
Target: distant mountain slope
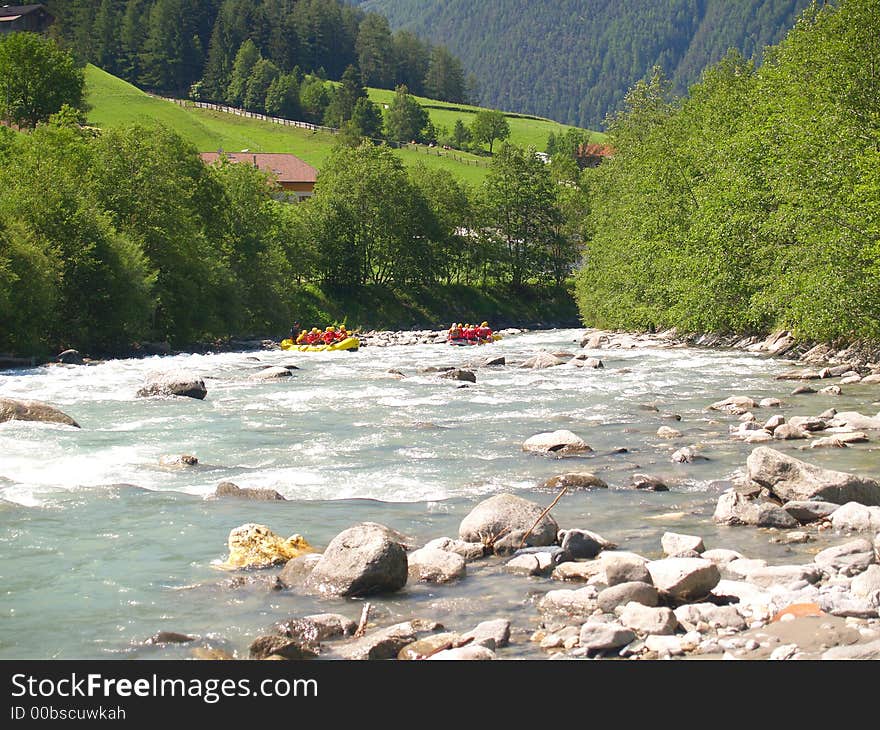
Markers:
point(573, 60)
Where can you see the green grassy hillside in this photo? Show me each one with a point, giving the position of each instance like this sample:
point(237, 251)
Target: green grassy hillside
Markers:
point(114, 101)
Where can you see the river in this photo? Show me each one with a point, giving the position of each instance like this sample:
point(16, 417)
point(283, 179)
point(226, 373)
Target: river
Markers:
point(101, 546)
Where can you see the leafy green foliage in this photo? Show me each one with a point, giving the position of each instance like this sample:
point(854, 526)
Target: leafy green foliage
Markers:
point(489, 125)
point(405, 120)
point(36, 79)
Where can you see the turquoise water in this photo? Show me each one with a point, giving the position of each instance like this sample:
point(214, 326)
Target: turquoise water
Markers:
point(101, 546)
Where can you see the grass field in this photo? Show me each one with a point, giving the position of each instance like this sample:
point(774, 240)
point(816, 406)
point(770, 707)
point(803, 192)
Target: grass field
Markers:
point(114, 101)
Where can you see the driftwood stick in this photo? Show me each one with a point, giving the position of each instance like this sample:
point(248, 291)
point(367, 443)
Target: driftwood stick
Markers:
point(362, 624)
point(541, 517)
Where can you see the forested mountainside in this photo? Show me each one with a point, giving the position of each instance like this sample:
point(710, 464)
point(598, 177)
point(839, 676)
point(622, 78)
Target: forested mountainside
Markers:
point(573, 60)
point(170, 45)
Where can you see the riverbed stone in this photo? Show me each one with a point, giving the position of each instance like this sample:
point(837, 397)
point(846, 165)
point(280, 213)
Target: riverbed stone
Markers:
point(868, 650)
point(771, 576)
point(429, 645)
point(602, 637)
point(855, 421)
point(578, 571)
point(69, 357)
point(850, 558)
point(739, 569)
point(735, 405)
point(296, 570)
point(770, 403)
point(792, 479)
point(734, 508)
point(721, 556)
point(33, 410)
point(674, 543)
point(649, 483)
point(716, 617)
point(770, 514)
point(687, 455)
point(470, 551)
point(583, 544)
point(430, 565)
point(643, 619)
point(542, 360)
point(255, 546)
point(774, 422)
point(574, 480)
point(179, 383)
point(855, 517)
point(360, 561)
point(621, 566)
point(493, 634)
point(316, 627)
point(808, 423)
point(504, 513)
point(581, 602)
point(271, 373)
point(459, 374)
point(788, 432)
point(667, 432)
point(684, 579)
point(382, 644)
point(229, 489)
point(622, 593)
point(464, 653)
point(558, 443)
point(274, 645)
point(531, 564)
point(867, 583)
point(806, 511)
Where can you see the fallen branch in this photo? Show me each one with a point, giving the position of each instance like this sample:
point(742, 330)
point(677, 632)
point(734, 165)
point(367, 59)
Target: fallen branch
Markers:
point(541, 517)
point(362, 624)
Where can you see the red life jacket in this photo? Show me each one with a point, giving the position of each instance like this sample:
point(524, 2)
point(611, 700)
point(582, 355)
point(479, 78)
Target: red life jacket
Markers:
point(329, 337)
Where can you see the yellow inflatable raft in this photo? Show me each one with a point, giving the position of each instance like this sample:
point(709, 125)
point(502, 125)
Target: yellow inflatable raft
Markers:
point(349, 343)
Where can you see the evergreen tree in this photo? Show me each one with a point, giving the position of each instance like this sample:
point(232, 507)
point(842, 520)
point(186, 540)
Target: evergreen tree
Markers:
point(258, 83)
point(405, 119)
point(366, 119)
point(375, 52)
point(282, 98)
point(132, 36)
point(411, 58)
point(245, 60)
point(445, 77)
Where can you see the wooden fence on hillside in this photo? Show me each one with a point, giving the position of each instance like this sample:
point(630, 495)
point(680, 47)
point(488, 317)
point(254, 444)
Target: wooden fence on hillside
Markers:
point(427, 149)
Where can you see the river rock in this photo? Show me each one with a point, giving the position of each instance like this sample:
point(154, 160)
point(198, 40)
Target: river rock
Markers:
point(583, 544)
point(296, 570)
point(623, 593)
point(494, 361)
point(316, 628)
point(769, 514)
point(504, 514)
point(573, 480)
point(578, 571)
point(256, 546)
point(735, 405)
point(271, 373)
point(470, 551)
point(734, 508)
point(602, 637)
point(587, 362)
point(69, 357)
point(594, 341)
point(869, 650)
point(871, 379)
point(572, 603)
point(175, 383)
point(773, 576)
point(459, 374)
point(791, 479)
point(830, 390)
point(867, 583)
point(687, 455)
point(360, 561)
point(429, 645)
point(740, 568)
point(770, 403)
point(494, 634)
point(684, 579)
point(430, 565)
point(383, 644)
point(674, 543)
point(717, 617)
point(464, 653)
point(33, 410)
point(649, 483)
point(855, 517)
point(228, 489)
point(537, 563)
point(721, 556)
point(666, 432)
point(788, 432)
point(178, 460)
point(542, 360)
point(850, 558)
point(560, 443)
point(855, 421)
point(169, 637)
point(265, 647)
point(624, 567)
point(808, 423)
point(774, 422)
point(644, 619)
point(807, 511)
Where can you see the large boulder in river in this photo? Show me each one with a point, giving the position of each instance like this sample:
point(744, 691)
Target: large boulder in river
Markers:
point(174, 383)
point(33, 410)
point(542, 360)
point(229, 489)
point(560, 443)
point(360, 561)
point(256, 546)
point(684, 579)
point(574, 480)
point(508, 515)
point(791, 479)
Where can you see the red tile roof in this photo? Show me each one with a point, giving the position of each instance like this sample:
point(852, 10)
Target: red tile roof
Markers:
point(286, 168)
